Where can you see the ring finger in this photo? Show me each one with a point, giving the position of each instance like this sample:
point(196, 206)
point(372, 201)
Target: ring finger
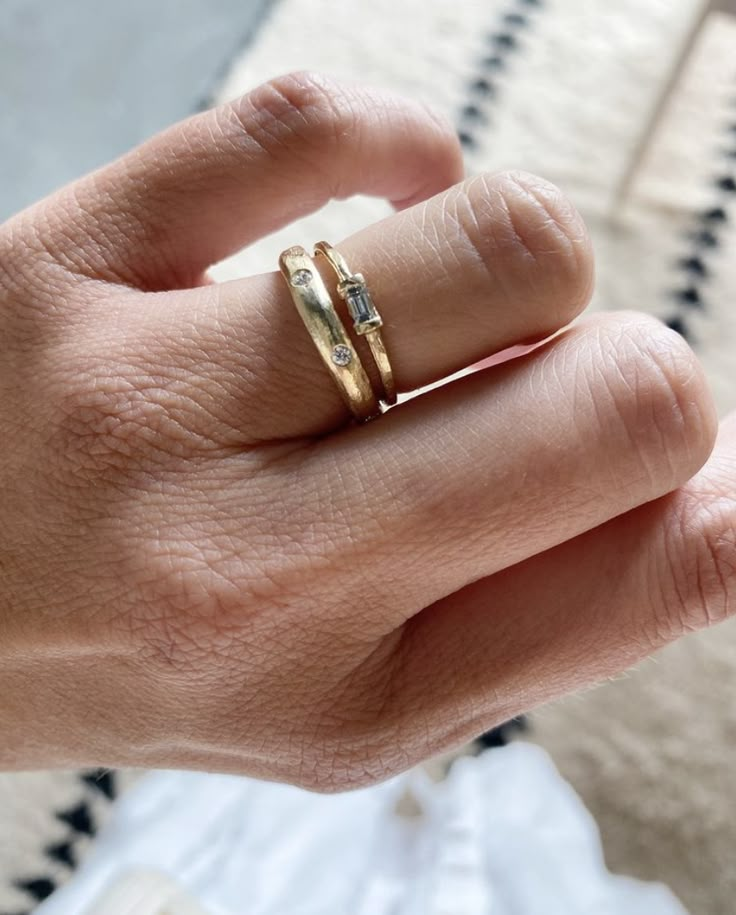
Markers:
point(494, 261)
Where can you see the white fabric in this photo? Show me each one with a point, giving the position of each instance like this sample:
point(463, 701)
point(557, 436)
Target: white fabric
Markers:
point(503, 834)
point(145, 893)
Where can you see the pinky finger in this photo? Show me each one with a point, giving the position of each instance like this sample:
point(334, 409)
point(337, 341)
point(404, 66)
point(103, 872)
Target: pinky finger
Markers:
point(566, 618)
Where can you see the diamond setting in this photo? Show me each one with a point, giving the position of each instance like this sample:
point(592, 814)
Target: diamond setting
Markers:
point(301, 277)
point(360, 304)
point(341, 355)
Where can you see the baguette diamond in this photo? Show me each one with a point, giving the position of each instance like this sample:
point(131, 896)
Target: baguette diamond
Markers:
point(360, 305)
point(353, 290)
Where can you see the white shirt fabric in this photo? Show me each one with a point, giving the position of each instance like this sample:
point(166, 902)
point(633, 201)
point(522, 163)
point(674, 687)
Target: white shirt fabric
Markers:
point(503, 834)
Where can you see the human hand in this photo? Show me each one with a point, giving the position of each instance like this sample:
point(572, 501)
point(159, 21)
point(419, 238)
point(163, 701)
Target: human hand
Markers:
point(205, 564)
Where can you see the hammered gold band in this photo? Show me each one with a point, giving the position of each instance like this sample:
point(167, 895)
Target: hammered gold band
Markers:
point(315, 306)
point(367, 322)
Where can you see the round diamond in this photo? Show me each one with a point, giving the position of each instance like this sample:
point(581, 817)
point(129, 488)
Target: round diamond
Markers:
point(301, 277)
point(341, 354)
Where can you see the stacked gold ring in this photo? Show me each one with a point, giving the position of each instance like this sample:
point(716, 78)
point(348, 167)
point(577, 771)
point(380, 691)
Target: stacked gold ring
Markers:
point(314, 304)
point(367, 322)
point(316, 308)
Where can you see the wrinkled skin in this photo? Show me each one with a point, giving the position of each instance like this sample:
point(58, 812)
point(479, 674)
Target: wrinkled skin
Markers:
point(206, 564)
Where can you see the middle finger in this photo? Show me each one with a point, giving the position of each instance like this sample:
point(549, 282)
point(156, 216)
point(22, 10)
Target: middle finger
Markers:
point(491, 469)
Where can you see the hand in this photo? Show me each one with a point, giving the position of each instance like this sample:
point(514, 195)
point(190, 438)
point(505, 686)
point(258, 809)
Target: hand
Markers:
point(205, 564)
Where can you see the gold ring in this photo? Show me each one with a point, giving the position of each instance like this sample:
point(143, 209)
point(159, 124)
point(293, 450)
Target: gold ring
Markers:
point(351, 287)
point(314, 304)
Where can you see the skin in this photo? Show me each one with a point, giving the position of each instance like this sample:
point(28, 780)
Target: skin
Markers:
point(204, 563)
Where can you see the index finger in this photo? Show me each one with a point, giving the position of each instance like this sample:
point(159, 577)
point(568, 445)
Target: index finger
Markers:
point(159, 216)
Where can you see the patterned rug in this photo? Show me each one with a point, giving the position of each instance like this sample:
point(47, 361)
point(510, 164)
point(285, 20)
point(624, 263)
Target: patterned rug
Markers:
point(564, 88)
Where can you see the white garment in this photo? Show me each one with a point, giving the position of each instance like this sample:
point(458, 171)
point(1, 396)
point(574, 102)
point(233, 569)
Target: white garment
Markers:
point(503, 834)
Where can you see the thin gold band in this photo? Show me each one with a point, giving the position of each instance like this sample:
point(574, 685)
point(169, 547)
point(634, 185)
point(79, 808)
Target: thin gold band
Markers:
point(351, 287)
point(314, 304)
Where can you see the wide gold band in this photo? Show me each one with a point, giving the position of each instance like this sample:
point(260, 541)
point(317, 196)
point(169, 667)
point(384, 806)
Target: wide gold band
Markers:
point(314, 304)
point(367, 322)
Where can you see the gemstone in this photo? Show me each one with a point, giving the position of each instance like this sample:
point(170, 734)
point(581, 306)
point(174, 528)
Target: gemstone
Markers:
point(360, 305)
point(301, 277)
point(341, 354)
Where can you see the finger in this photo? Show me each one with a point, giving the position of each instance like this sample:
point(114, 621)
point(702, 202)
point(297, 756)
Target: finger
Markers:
point(494, 261)
point(574, 615)
point(159, 216)
point(487, 471)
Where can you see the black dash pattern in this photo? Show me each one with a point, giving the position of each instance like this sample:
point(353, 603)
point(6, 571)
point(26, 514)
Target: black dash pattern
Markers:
point(504, 39)
point(79, 818)
point(703, 239)
point(103, 780)
point(38, 889)
point(80, 822)
point(503, 734)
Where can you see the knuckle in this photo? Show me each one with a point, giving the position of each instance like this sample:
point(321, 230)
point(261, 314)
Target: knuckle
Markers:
point(326, 773)
point(43, 285)
point(348, 765)
point(110, 419)
point(525, 234)
point(699, 569)
point(659, 394)
point(99, 418)
point(189, 620)
point(11, 260)
point(301, 108)
point(31, 285)
point(363, 735)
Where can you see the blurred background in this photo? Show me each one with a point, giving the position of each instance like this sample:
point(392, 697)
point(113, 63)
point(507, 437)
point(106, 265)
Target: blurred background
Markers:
point(82, 81)
point(631, 108)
